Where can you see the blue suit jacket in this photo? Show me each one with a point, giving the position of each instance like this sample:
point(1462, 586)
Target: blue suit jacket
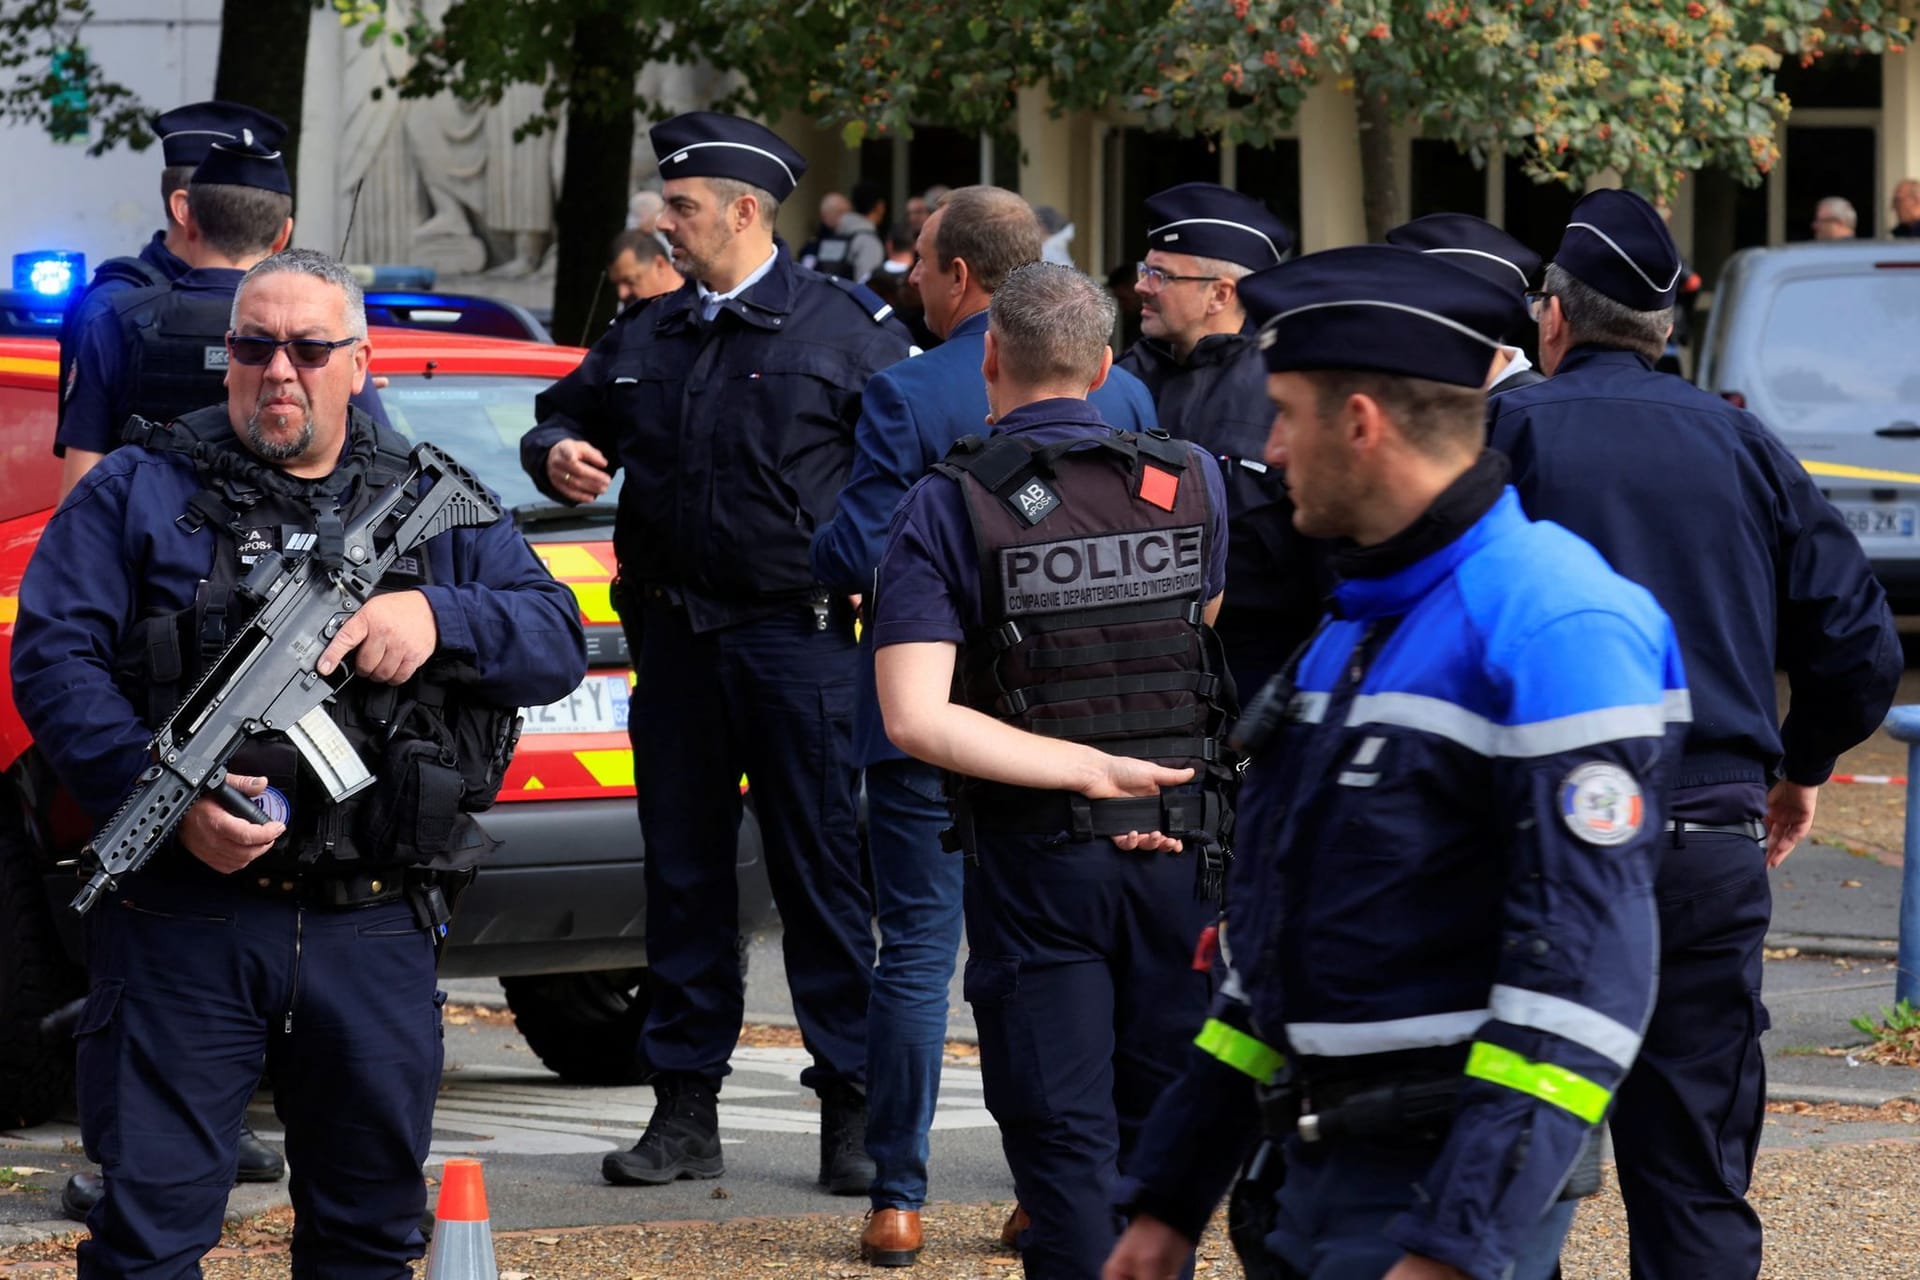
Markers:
point(910, 415)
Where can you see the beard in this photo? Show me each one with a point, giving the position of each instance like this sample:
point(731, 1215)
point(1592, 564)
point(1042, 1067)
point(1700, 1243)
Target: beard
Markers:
point(280, 450)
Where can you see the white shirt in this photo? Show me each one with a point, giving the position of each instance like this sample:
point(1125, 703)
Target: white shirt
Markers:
point(1516, 361)
point(710, 301)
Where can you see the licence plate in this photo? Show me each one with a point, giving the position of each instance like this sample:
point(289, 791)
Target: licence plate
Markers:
point(599, 705)
point(1878, 520)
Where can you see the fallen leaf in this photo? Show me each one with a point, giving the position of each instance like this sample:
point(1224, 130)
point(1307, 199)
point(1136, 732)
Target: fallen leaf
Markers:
point(1849, 884)
point(544, 1240)
point(516, 1275)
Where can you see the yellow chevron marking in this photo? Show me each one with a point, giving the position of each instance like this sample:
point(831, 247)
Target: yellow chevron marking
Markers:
point(595, 606)
point(1845, 472)
point(609, 768)
point(533, 784)
point(571, 562)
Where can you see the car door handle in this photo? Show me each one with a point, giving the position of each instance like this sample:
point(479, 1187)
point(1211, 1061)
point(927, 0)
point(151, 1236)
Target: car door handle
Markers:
point(1900, 431)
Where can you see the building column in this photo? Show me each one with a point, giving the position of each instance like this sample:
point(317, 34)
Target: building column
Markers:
point(1331, 210)
point(826, 155)
point(1057, 167)
point(1899, 125)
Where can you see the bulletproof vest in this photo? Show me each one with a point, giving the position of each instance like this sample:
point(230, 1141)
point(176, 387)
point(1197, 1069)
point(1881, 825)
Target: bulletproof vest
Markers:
point(176, 345)
point(835, 255)
point(436, 753)
point(137, 272)
point(1093, 560)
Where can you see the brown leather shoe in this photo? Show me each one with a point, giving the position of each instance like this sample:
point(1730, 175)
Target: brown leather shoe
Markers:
point(1016, 1222)
point(892, 1238)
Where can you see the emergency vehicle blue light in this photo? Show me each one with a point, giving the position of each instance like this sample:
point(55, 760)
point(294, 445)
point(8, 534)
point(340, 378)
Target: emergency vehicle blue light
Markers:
point(51, 273)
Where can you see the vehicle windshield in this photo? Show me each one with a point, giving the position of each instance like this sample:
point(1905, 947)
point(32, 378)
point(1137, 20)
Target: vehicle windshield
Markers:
point(1838, 345)
point(479, 419)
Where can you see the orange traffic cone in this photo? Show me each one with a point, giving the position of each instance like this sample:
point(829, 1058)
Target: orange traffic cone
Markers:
point(462, 1236)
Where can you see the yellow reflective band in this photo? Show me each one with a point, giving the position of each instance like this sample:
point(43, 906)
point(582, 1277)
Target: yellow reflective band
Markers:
point(19, 364)
point(1847, 471)
point(609, 768)
point(9, 608)
point(1540, 1080)
point(1239, 1050)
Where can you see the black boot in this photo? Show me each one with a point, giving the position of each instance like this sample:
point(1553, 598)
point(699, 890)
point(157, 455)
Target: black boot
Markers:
point(682, 1139)
point(845, 1167)
point(82, 1192)
point(258, 1161)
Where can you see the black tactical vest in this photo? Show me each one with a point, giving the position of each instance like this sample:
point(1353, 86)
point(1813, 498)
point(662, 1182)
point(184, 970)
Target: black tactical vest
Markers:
point(176, 345)
point(436, 753)
point(1093, 558)
point(137, 272)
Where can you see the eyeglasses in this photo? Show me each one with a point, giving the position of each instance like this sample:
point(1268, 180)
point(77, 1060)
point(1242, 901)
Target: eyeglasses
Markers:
point(1161, 279)
point(1537, 305)
point(305, 353)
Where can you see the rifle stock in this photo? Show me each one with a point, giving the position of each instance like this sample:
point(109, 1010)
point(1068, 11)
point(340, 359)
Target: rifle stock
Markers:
point(265, 682)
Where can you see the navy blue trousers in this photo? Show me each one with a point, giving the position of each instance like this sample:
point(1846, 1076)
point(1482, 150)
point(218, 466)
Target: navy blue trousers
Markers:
point(1686, 1125)
point(198, 982)
point(772, 699)
point(1080, 974)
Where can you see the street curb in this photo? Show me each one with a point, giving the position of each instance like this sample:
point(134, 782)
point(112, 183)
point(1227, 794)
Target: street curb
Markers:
point(1829, 945)
point(1836, 1095)
point(245, 1202)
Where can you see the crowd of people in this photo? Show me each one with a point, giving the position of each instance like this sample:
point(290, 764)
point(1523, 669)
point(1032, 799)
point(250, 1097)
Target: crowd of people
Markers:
point(1350, 747)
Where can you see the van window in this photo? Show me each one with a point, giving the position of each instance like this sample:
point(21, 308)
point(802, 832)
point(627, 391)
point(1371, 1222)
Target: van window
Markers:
point(1841, 342)
point(26, 450)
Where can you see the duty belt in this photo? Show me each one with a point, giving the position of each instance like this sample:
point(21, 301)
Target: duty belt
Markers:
point(1176, 813)
point(1752, 828)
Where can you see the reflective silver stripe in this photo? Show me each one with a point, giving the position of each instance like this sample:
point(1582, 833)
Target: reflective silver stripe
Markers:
point(680, 153)
point(1354, 778)
point(1490, 257)
point(1628, 259)
point(1517, 741)
point(1614, 1041)
point(1678, 706)
point(1220, 222)
point(1445, 322)
point(1349, 1039)
point(1309, 708)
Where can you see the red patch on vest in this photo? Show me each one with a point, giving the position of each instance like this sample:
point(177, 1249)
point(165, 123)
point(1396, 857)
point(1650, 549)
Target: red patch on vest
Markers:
point(1158, 487)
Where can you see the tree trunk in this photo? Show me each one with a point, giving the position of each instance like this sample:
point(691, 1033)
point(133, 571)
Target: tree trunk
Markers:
point(1379, 190)
point(593, 186)
point(263, 63)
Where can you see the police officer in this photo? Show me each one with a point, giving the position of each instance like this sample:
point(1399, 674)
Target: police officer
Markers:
point(1697, 501)
point(159, 352)
point(186, 135)
point(1203, 366)
point(1476, 245)
point(910, 416)
point(1042, 632)
point(731, 403)
point(1442, 918)
point(306, 944)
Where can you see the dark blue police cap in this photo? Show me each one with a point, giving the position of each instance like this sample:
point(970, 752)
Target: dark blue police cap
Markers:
point(187, 133)
point(1208, 220)
point(1474, 244)
point(1379, 308)
point(244, 163)
point(707, 144)
point(1619, 244)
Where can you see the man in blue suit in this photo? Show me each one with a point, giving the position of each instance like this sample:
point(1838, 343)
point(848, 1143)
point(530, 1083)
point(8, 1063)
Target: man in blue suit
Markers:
point(911, 414)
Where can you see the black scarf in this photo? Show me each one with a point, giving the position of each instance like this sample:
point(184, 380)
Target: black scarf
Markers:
point(1453, 512)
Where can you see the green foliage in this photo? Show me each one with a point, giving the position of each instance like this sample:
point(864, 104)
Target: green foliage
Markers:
point(48, 79)
point(1896, 1023)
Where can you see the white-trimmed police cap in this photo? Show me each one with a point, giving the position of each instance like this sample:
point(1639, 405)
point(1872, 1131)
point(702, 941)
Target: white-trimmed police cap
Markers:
point(1208, 220)
point(244, 162)
point(1379, 308)
point(187, 133)
point(1619, 244)
point(709, 144)
point(1475, 245)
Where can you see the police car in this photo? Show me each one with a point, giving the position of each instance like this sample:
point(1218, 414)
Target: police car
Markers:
point(558, 913)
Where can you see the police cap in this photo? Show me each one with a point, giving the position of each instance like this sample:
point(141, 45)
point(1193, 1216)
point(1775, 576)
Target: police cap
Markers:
point(1476, 245)
point(1379, 308)
point(708, 144)
point(245, 162)
point(1619, 244)
point(1208, 220)
point(187, 133)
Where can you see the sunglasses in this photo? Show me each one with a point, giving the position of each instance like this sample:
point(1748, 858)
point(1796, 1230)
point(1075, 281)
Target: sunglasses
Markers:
point(305, 353)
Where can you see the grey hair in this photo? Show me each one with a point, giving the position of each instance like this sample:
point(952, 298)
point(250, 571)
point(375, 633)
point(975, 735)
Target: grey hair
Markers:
point(321, 266)
point(1593, 317)
point(1234, 271)
point(731, 189)
point(1841, 208)
point(1051, 324)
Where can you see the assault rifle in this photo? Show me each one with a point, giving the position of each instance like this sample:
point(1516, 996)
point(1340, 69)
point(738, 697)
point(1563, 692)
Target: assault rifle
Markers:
point(265, 680)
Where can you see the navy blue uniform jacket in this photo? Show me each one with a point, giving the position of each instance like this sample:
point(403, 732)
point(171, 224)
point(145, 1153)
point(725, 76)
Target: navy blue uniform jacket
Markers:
point(1448, 848)
point(736, 434)
point(114, 553)
point(910, 415)
point(1698, 502)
